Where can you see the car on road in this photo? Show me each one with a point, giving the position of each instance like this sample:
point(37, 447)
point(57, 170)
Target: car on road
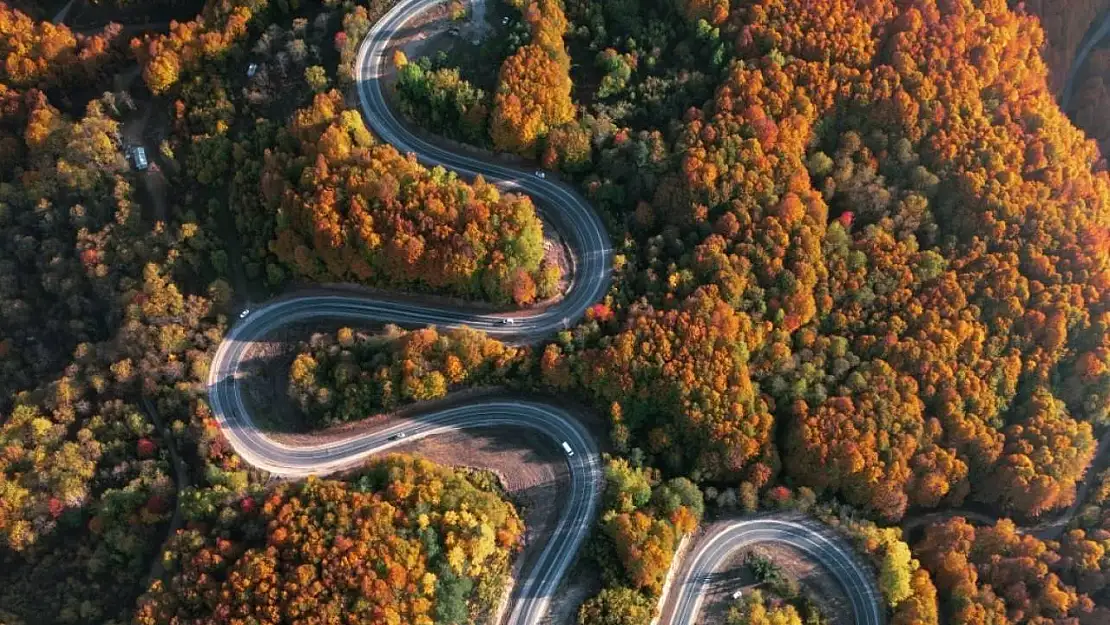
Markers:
point(738, 594)
point(398, 436)
point(540, 175)
point(246, 311)
point(566, 448)
point(508, 321)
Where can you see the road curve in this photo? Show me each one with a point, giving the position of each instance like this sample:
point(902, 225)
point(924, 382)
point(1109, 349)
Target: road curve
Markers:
point(592, 258)
point(818, 542)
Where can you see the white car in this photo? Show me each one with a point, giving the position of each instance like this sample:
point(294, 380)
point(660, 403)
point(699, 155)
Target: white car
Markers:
point(398, 436)
point(566, 448)
point(506, 321)
point(246, 311)
point(738, 594)
point(541, 175)
point(139, 154)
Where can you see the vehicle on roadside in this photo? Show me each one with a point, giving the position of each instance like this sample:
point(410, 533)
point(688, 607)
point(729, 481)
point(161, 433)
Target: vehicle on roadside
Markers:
point(566, 448)
point(246, 311)
point(738, 594)
point(138, 154)
point(541, 175)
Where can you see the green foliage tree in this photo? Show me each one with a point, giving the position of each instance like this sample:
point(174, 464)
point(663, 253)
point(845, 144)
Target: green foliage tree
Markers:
point(317, 78)
point(616, 606)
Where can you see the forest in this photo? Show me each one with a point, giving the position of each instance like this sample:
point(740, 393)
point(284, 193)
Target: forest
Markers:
point(392, 222)
point(346, 377)
point(861, 272)
point(864, 252)
point(399, 541)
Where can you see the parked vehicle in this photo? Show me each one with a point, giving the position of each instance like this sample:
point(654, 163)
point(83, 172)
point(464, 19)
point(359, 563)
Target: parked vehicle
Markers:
point(566, 448)
point(139, 156)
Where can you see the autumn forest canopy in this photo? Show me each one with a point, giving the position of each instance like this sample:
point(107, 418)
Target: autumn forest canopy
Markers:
point(861, 270)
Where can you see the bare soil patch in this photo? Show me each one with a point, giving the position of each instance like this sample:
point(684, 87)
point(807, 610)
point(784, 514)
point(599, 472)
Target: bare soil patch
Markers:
point(532, 473)
point(264, 375)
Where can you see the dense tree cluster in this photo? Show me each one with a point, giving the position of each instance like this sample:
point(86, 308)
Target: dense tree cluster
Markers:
point(66, 225)
point(906, 238)
point(645, 518)
point(351, 209)
point(164, 58)
point(437, 98)
point(93, 320)
point(677, 375)
point(103, 332)
point(999, 575)
point(353, 375)
point(533, 90)
point(403, 541)
point(85, 481)
point(1085, 545)
point(42, 54)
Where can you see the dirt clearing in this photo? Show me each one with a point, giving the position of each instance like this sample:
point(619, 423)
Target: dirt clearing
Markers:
point(813, 580)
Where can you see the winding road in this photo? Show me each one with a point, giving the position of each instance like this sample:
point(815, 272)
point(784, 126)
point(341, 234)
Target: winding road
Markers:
point(816, 541)
point(590, 279)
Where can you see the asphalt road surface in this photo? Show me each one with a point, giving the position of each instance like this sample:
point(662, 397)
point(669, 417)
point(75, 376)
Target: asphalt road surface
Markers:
point(818, 542)
point(592, 257)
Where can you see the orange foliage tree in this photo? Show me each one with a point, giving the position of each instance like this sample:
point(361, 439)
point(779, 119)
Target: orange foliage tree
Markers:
point(405, 541)
point(40, 54)
point(897, 204)
point(188, 44)
point(533, 92)
point(682, 382)
point(996, 575)
point(360, 211)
